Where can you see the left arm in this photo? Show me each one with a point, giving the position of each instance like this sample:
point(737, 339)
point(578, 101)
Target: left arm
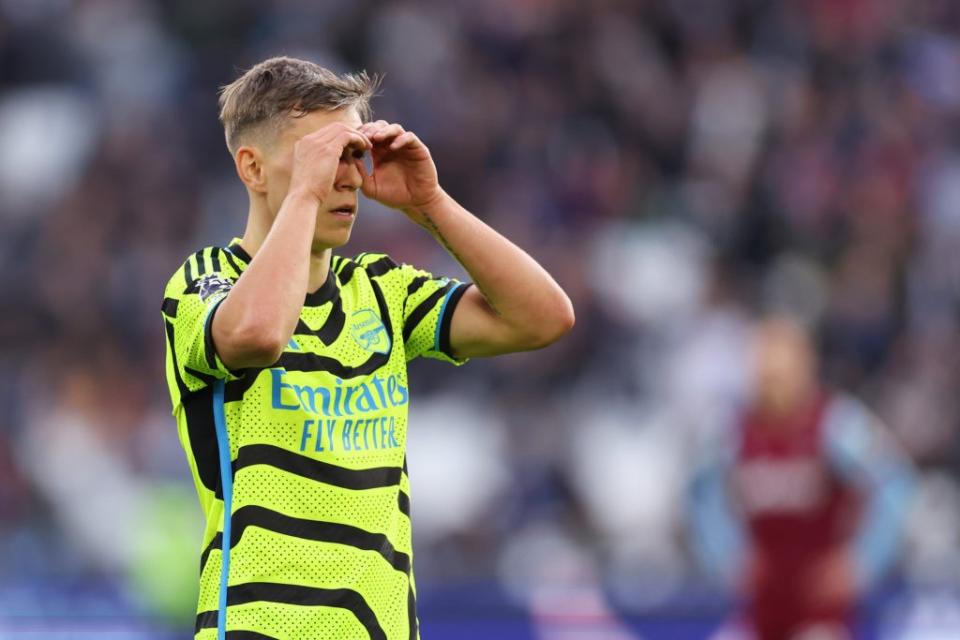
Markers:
point(863, 453)
point(515, 305)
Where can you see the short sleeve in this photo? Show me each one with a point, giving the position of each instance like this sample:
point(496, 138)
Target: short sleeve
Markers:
point(190, 302)
point(859, 444)
point(426, 303)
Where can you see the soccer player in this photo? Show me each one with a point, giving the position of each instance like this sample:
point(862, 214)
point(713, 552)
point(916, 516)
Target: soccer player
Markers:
point(804, 506)
point(287, 365)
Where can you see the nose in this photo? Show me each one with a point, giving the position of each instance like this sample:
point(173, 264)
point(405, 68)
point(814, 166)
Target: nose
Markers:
point(349, 177)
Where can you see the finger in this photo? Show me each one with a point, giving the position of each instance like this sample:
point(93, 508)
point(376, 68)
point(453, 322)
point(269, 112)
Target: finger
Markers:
point(331, 131)
point(351, 138)
point(338, 137)
point(387, 132)
point(407, 139)
point(370, 128)
point(342, 134)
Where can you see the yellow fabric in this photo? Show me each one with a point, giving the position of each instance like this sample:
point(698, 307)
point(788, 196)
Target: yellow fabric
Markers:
point(319, 514)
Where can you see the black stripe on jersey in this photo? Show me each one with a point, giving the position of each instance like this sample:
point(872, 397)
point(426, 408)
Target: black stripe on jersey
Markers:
point(169, 307)
point(381, 266)
point(233, 263)
point(384, 311)
point(328, 291)
point(301, 361)
point(209, 349)
point(346, 273)
point(188, 272)
point(216, 543)
point(444, 342)
point(318, 530)
point(199, 375)
point(209, 619)
point(331, 329)
point(233, 390)
point(240, 252)
point(312, 469)
point(181, 385)
point(206, 620)
point(412, 612)
point(403, 500)
point(243, 380)
point(198, 411)
point(201, 263)
point(332, 326)
point(416, 283)
point(421, 310)
point(311, 597)
point(215, 259)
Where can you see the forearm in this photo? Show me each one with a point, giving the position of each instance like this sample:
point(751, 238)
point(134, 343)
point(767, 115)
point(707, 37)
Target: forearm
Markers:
point(862, 453)
point(877, 540)
point(716, 535)
point(519, 292)
point(260, 314)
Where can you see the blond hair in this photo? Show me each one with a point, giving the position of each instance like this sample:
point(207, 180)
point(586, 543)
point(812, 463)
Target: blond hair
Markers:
point(281, 87)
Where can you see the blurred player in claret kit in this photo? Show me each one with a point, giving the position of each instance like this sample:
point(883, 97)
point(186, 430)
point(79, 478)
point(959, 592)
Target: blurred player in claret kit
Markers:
point(802, 504)
point(287, 365)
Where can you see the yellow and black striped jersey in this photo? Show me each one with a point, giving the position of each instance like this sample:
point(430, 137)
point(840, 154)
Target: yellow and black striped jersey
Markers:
point(300, 467)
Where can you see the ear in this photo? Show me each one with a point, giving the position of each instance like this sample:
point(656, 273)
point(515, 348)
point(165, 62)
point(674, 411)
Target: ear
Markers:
point(250, 168)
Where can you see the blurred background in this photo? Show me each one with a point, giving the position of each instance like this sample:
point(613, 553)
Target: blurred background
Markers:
point(680, 166)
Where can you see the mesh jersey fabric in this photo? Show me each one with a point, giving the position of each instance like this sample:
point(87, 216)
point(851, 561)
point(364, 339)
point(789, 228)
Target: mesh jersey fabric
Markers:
point(307, 457)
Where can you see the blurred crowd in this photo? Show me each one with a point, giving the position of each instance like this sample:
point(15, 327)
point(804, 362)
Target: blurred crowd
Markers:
point(681, 167)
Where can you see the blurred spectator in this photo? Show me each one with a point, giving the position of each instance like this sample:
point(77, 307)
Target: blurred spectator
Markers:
point(802, 503)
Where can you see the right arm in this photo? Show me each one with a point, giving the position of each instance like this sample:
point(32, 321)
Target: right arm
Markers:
point(253, 324)
point(716, 533)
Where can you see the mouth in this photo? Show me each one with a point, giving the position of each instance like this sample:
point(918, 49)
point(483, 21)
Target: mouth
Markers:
point(346, 211)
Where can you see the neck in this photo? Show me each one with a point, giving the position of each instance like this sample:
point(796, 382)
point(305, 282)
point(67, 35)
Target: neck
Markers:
point(787, 405)
point(259, 222)
point(319, 268)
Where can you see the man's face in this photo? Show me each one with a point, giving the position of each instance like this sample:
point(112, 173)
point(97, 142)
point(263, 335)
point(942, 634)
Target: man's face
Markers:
point(333, 227)
point(785, 366)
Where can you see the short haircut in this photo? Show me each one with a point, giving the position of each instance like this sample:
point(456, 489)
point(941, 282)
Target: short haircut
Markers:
point(282, 87)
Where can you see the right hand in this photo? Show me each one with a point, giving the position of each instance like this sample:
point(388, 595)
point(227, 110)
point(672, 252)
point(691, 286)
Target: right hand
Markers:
point(317, 156)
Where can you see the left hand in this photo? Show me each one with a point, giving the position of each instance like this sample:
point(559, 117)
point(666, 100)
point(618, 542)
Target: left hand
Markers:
point(404, 175)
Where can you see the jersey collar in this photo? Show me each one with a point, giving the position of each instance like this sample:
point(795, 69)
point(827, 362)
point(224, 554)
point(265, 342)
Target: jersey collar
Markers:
point(328, 290)
point(235, 248)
